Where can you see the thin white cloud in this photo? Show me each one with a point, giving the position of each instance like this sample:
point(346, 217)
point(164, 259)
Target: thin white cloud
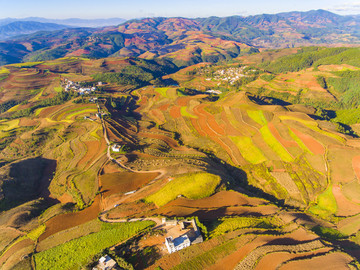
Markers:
point(347, 7)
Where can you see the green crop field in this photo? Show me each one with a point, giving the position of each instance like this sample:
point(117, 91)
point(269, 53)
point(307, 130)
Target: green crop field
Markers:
point(275, 144)
point(7, 127)
point(58, 89)
point(299, 142)
point(4, 70)
point(248, 150)
point(312, 125)
point(162, 91)
point(209, 257)
point(235, 223)
point(76, 253)
point(35, 234)
point(74, 114)
point(26, 65)
point(95, 134)
point(184, 112)
point(326, 204)
point(257, 116)
point(192, 186)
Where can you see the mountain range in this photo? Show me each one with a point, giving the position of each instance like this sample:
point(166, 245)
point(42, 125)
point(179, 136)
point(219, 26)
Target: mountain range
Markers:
point(69, 22)
point(26, 27)
point(187, 41)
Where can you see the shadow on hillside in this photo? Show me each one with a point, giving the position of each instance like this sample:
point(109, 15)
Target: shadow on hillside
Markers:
point(27, 180)
point(236, 178)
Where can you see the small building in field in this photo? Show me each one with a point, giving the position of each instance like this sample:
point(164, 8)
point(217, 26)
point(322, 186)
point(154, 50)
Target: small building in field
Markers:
point(216, 92)
point(106, 263)
point(116, 148)
point(178, 243)
point(190, 234)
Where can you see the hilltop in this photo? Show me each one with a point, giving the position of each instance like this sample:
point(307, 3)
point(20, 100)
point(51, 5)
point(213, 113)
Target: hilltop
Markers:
point(187, 41)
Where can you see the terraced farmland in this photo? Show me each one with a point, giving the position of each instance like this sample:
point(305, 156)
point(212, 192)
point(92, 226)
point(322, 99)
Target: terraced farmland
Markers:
point(268, 183)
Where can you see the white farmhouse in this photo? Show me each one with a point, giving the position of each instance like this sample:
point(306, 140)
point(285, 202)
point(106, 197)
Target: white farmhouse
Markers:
point(116, 148)
point(177, 244)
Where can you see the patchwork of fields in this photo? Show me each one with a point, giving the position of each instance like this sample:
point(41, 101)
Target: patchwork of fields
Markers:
point(267, 183)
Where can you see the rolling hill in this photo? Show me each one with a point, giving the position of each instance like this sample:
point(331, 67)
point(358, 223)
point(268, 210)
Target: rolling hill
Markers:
point(271, 180)
point(26, 27)
point(189, 41)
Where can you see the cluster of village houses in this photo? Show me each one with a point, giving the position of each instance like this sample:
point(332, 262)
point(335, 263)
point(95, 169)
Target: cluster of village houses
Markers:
point(230, 75)
point(188, 234)
point(76, 87)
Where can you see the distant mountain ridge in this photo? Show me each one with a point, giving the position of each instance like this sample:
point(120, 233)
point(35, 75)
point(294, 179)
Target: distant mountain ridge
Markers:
point(69, 22)
point(26, 27)
point(188, 41)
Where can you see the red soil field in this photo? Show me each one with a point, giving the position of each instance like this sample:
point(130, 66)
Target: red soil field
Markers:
point(175, 112)
point(27, 122)
point(230, 261)
point(274, 260)
point(48, 111)
point(18, 246)
point(313, 145)
point(345, 207)
point(329, 261)
point(143, 101)
point(276, 134)
point(356, 166)
point(94, 149)
point(183, 101)
point(229, 128)
point(226, 203)
point(211, 120)
point(112, 136)
point(128, 209)
point(169, 141)
point(124, 182)
point(158, 115)
point(202, 127)
point(164, 107)
point(78, 52)
point(65, 198)
point(196, 125)
point(210, 213)
point(220, 199)
point(67, 221)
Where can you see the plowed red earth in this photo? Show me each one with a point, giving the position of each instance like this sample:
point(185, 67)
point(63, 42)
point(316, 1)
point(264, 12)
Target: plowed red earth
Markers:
point(27, 122)
point(230, 261)
point(274, 260)
point(169, 141)
point(313, 145)
point(94, 149)
point(67, 221)
point(224, 203)
point(183, 101)
point(202, 127)
point(210, 119)
point(164, 107)
point(276, 134)
point(124, 182)
point(329, 261)
point(175, 112)
point(356, 166)
point(18, 246)
point(345, 207)
point(230, 129)
point(158, 114)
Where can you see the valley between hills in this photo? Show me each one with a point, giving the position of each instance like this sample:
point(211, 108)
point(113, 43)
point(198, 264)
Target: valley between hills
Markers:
point(263, 150)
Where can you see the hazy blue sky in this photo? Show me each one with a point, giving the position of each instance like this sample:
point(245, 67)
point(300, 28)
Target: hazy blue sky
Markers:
point(149, 8)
